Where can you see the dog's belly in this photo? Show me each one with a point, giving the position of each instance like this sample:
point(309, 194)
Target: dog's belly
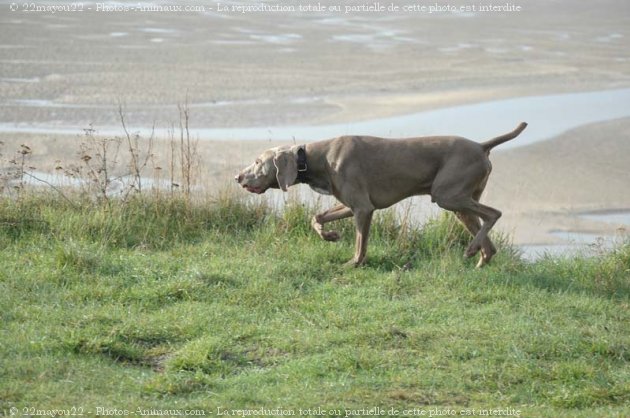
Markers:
point(386, 198)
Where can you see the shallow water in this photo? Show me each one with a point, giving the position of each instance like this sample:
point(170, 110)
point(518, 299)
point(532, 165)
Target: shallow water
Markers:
point(579, 238)
point(619, 218)
point(533, 252)
point(548, 116)
point(587, 243)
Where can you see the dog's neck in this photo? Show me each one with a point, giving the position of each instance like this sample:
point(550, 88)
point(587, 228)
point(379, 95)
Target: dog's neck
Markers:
point(315, 175)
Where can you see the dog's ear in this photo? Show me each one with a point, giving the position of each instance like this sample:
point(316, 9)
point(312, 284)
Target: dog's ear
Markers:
point(286, 169)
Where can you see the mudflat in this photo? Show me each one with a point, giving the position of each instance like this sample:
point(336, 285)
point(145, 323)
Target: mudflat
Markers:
point(62, 72)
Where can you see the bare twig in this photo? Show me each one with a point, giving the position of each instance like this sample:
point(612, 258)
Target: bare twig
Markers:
point(52, 186)
point(188, 149)
point(20, 163)
point(133, 150)
point(172, 159)
point(137, 164)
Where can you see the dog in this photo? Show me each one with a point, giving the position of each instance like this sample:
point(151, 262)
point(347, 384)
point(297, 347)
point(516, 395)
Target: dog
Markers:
point(366, 173)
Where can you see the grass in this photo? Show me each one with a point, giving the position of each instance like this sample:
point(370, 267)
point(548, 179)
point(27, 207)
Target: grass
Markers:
point(223, 306)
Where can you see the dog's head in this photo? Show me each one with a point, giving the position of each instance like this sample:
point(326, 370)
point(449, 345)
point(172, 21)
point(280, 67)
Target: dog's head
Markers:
point(275, 168)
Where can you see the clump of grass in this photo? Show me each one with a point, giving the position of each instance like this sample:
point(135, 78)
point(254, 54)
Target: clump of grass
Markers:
point(73, 256)
point(17, 220)
point(142, 221)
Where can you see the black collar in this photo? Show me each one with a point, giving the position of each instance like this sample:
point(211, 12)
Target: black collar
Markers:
point(302, 168)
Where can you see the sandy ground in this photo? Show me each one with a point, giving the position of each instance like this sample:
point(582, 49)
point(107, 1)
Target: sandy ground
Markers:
point(256, 69)
point(239, 70)
point(542, 187)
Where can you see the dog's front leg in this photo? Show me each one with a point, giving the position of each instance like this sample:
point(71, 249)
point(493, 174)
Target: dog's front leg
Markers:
point(333, 214)
point(362, 220)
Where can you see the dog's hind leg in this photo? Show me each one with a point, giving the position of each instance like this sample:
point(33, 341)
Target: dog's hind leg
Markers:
point(468, 207)
point(473, 225)
point(469, 211)
point(458, 189)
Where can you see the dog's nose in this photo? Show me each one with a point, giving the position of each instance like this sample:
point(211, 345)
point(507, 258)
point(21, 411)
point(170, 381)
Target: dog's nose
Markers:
point(238, 178)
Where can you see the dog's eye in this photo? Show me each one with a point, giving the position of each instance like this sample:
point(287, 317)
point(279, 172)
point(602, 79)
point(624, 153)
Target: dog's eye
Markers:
point(258, 161)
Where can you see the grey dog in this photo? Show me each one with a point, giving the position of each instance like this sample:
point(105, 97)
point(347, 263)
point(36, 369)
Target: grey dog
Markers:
point(367, 173)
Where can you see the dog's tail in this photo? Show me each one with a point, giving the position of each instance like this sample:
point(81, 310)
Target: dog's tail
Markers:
point(488, 145)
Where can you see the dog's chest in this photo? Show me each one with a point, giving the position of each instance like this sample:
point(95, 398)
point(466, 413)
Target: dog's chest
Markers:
point(322, 191)
point(320, 186)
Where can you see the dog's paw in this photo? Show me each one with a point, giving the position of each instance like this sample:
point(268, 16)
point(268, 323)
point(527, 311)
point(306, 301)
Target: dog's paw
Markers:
point(482, 262)
point(472, 250)
point(331, 236)
point(353, 263)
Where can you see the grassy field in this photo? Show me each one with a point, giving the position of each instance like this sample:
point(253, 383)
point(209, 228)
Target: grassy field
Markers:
point(223, 308)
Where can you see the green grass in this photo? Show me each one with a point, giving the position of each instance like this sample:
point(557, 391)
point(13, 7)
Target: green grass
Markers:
point(163, 304)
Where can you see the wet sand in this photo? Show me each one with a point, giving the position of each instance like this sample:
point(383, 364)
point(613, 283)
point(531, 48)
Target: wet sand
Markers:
point(257, 69)
point(250, 70)
point(545, 186)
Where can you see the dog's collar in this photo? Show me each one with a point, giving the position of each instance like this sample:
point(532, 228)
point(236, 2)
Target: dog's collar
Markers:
point(302, 167)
